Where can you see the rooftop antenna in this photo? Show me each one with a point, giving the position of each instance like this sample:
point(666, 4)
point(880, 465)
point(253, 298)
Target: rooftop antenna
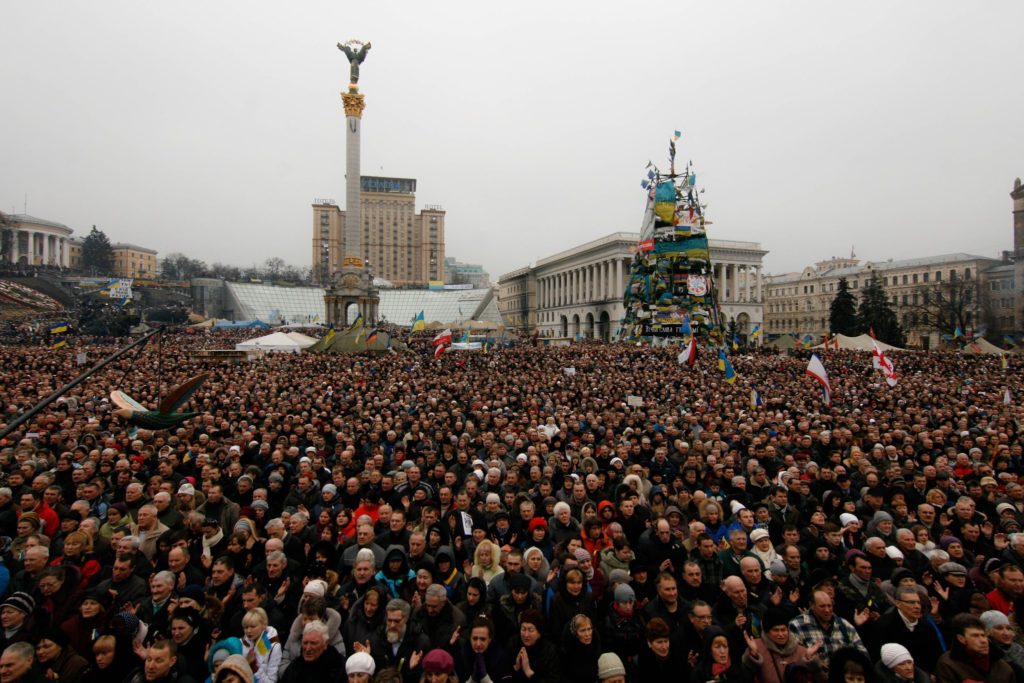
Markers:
point(852, 253)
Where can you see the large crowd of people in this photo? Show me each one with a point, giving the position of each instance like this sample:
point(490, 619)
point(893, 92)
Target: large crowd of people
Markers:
point(557, 515)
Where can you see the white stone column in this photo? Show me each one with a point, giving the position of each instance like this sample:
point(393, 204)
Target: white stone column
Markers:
point(723, 295)
point(759, 282)
point(15, 255)
point(617, 282)
point(46, 250)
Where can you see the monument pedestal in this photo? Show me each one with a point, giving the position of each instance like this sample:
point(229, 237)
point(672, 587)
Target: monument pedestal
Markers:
point(353, 284)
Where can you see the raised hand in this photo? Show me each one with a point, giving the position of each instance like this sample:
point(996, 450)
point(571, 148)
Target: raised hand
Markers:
point(860, 618)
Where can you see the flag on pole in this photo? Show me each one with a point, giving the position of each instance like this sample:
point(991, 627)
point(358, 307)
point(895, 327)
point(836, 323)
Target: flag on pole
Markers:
point(880, 362)
point(418, 323)
point(357, 324)
point(816, 369)
point(59, 328)
point(1004, 361)
point(370, 336)
point(755, 397)
point(265, 644)
point(756, 332)
point(439, 350)
point(689, 354)
point(735, 342)
point(330, 334)
point(957, 333)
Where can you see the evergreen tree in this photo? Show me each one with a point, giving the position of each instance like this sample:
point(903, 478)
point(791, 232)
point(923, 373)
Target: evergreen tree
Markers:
point(842, 315)
point(97, 256)
point(876, 314)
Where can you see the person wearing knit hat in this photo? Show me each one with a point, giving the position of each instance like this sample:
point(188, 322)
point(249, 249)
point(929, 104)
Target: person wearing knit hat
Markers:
point(610, 668)
point(360, 667)
point(898, 661)
point(624, 594)
point(1003, 637)
point(438, 667)
point(21, 602)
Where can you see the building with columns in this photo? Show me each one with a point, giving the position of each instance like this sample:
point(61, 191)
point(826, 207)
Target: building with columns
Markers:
point(35, 241)
point(579, 292)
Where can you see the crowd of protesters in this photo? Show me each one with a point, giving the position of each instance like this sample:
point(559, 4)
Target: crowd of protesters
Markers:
point(492, 517)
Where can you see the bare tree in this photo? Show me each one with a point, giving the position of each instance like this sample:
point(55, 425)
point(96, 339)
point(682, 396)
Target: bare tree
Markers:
point(947, 305)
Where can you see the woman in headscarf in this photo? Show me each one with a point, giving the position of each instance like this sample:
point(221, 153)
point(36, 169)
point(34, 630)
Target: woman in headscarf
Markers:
point(188, 633)
point(475, 604)
point(534, 657)
point(717, 662)
point(535, 565)
point(581, 646)
point(365, 617)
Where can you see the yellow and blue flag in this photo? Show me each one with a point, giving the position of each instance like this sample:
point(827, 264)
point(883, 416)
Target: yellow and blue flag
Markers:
point(726, 367)
point(756, 332)
point(357, 324)
point(59, 328)
point(756, 400)
point(418, 323)
point(957, 333)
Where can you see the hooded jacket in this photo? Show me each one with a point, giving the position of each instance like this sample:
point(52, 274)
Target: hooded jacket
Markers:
point(292, 650)
point(395, 582)
point(237, 665)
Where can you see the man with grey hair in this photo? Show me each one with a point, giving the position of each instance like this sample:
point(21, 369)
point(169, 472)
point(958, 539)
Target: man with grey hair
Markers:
point(149, 530)
point(397, 640)
point(153, 610)
point(438, 619)
point(16, 663)
point(910, 626)
point(8, 513)
point(35, 561)
point(364, 539)
point(166, 512)
point(319, 662)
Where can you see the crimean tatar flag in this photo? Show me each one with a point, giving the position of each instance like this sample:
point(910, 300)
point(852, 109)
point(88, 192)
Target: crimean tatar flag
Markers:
point(816, 369)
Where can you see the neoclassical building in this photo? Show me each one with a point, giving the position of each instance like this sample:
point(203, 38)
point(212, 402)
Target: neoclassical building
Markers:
point(37, 242)
point(579, 292)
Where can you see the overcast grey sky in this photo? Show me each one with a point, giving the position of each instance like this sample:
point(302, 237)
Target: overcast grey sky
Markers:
point(209, 127)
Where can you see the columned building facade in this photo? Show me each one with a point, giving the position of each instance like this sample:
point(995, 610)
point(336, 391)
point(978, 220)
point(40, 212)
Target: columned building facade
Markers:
point(579, 292)
point(37, 242)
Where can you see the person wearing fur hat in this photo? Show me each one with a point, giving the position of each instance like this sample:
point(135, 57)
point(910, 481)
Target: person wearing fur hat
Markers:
point(776, 648)
point(896, 665)
point(234, 669)
point(57, 659)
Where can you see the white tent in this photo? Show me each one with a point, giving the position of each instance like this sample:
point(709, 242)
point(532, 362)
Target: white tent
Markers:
point(276, 342)
point(861, 343)
point(304, 340)
point(982, 345)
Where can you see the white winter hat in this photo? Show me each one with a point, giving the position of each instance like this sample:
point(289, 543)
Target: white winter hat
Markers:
point(894, 654)
point(360, 663)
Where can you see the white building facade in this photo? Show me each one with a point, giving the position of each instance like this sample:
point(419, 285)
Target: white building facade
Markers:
point(37, 242)
point(579, 292)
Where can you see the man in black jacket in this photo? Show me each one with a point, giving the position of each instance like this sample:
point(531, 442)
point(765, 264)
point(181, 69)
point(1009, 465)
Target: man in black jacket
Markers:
point(398, 643)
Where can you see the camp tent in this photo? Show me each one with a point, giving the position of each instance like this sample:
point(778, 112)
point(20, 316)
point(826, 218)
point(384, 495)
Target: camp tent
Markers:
point(276, 342)
point(786, 341)
point(241, 325)
point(982, 345)
point(860, 343)
point(304, 340)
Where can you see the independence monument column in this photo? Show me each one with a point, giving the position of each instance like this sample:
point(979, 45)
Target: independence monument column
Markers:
point(354, 283)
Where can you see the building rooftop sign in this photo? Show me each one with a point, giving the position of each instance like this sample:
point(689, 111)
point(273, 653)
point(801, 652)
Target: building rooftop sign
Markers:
point(377, 184)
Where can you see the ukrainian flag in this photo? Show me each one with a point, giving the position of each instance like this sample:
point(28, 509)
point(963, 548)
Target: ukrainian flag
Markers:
point(358, 323)
point(418, 323)
point(755, 397)
point(756, 332)
point(59, 328)
point(726, 367)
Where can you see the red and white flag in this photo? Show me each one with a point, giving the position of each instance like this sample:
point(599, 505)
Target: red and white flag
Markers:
point(816, 369)
point(439, 350)
point(443, 337)
point(689, 355)
point(880, 362)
